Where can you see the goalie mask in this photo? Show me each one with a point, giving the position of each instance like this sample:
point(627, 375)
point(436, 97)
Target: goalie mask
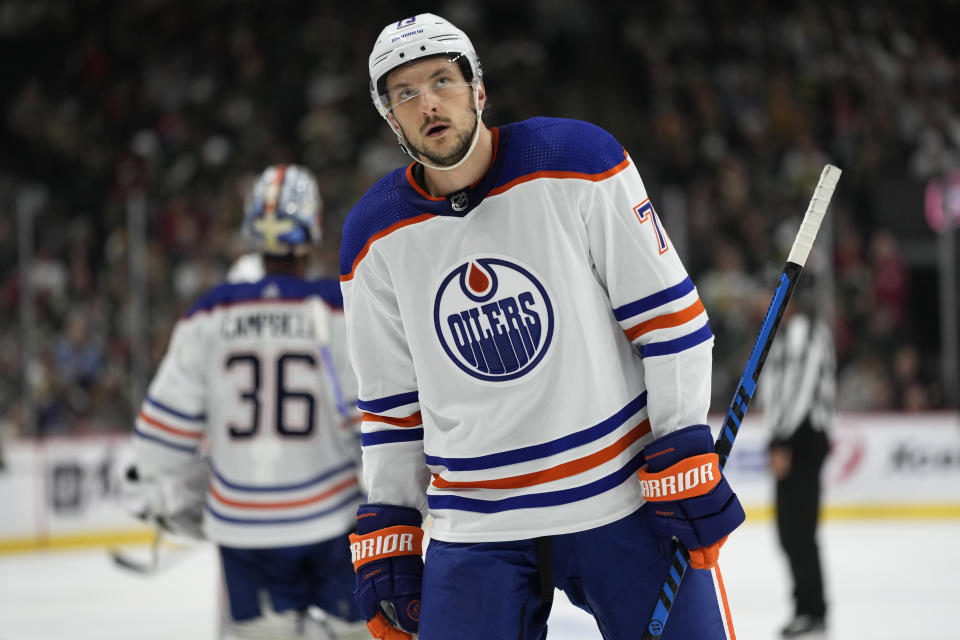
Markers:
point(413, 39)
point(282, 213)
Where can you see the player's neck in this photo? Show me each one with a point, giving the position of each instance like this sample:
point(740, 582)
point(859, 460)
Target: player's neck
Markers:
point(296, 267)
point(443, 183)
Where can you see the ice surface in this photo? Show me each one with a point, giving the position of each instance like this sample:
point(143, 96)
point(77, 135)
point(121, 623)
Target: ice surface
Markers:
point(885, 580)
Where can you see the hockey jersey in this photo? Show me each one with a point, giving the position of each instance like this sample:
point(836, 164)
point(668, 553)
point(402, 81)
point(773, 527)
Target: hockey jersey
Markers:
point(256, 375)
point(518, 342)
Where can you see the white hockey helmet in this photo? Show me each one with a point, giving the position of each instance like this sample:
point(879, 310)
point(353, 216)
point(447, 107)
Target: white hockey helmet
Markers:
point(283, 211)
point(412, 39)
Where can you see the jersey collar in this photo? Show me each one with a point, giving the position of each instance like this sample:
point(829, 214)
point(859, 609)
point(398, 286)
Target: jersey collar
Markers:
point(459, 203)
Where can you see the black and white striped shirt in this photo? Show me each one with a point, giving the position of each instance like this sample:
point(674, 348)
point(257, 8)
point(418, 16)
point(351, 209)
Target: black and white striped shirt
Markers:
point(799, 380)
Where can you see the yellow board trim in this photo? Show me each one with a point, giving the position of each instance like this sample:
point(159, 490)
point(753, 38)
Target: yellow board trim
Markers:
point(78, 541)
point(872, 512)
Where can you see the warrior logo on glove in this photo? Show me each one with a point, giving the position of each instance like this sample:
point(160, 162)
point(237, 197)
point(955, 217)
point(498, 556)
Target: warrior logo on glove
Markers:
point(690, 477)
point(693, 501)
point(387, 556)
point(385, 543)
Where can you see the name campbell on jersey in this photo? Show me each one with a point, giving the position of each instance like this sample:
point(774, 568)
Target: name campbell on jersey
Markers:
point(245, 380)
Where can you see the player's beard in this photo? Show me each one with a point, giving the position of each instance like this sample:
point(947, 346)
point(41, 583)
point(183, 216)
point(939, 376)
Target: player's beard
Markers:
point(464, 139)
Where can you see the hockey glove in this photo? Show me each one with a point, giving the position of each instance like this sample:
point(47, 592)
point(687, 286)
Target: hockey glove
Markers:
point(690, 498)
point(172, 502)
point(387, 556)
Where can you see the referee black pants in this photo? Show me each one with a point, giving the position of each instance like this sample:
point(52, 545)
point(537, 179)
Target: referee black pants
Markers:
point(798, 511)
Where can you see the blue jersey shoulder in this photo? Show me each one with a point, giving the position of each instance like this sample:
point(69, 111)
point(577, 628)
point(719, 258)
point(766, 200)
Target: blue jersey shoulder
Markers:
point(329, 290)
point(380, 208)
point(270, 287)
point(559, 145)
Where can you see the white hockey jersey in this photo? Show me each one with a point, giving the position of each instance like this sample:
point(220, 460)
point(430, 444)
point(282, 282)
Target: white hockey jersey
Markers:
point(258, 372)
point(519, 342)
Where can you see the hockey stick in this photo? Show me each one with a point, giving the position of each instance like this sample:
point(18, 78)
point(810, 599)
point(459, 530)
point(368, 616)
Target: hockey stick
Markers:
point(321, 319)
point(136, 565)
point(161, 556)
point(751, 373)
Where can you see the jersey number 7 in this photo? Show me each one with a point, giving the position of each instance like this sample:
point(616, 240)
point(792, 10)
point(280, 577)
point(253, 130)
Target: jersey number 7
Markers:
point(645, 213)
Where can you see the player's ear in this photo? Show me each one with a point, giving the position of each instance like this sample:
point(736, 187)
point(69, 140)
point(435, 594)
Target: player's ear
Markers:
point(481, 95)
point(392, 120)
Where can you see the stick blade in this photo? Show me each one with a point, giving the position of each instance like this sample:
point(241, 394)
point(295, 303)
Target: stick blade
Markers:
point(123, 560)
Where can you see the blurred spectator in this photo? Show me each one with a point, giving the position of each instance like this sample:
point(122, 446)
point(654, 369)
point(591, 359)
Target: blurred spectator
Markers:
point(737, 108)
point(77, 355)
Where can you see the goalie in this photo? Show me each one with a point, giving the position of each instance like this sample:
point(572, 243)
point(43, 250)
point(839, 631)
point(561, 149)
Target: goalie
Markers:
point(256, 371)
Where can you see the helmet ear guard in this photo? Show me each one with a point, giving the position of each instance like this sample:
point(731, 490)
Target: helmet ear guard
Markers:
point(283, 212)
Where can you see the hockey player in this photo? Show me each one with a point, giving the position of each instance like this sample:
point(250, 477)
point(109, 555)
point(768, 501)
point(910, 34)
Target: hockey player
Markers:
point(526, 341)
point(257, 371)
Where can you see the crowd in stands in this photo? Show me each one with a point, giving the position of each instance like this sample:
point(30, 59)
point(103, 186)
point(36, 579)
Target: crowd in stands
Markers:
point(730, 110)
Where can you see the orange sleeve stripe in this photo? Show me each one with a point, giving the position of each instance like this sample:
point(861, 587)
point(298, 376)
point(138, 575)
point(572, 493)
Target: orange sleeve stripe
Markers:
point(382, 234)
point(593, 177)
point(666, 321)
point(242, 504)
point(554, 473)
point(414, 420)
point(163, 427)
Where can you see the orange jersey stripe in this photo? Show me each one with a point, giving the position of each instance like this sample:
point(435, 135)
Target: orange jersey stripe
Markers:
point(726, 605)
point(414, 420)
point(593, 177)
point(554, 473)
point(164, 427)
point(382, 234)
point(337, 488)
point(666, 321)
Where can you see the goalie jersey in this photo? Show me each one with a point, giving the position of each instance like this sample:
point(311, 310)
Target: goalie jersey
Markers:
point(256, 376)
point(519, 342)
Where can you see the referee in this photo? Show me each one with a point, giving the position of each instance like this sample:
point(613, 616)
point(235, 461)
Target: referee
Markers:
point(797, 392)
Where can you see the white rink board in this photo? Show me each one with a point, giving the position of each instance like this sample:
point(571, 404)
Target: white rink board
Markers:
point(881, 460)
point(70, 486)
point(63, 486)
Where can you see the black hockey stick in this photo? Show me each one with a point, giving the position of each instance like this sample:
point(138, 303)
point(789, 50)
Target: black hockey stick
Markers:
point(137, 565)
point(161, 555)
point(751, 373)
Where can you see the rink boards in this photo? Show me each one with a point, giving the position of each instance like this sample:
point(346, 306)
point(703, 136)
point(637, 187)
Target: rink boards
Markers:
point(64, 492)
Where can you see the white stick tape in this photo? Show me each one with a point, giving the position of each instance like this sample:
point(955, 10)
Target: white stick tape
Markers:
point(814, 216)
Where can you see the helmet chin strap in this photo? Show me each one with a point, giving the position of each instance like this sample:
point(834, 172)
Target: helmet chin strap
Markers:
point(473, 143)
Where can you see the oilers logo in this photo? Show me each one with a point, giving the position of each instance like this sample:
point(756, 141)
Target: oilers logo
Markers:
point(494, 318)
